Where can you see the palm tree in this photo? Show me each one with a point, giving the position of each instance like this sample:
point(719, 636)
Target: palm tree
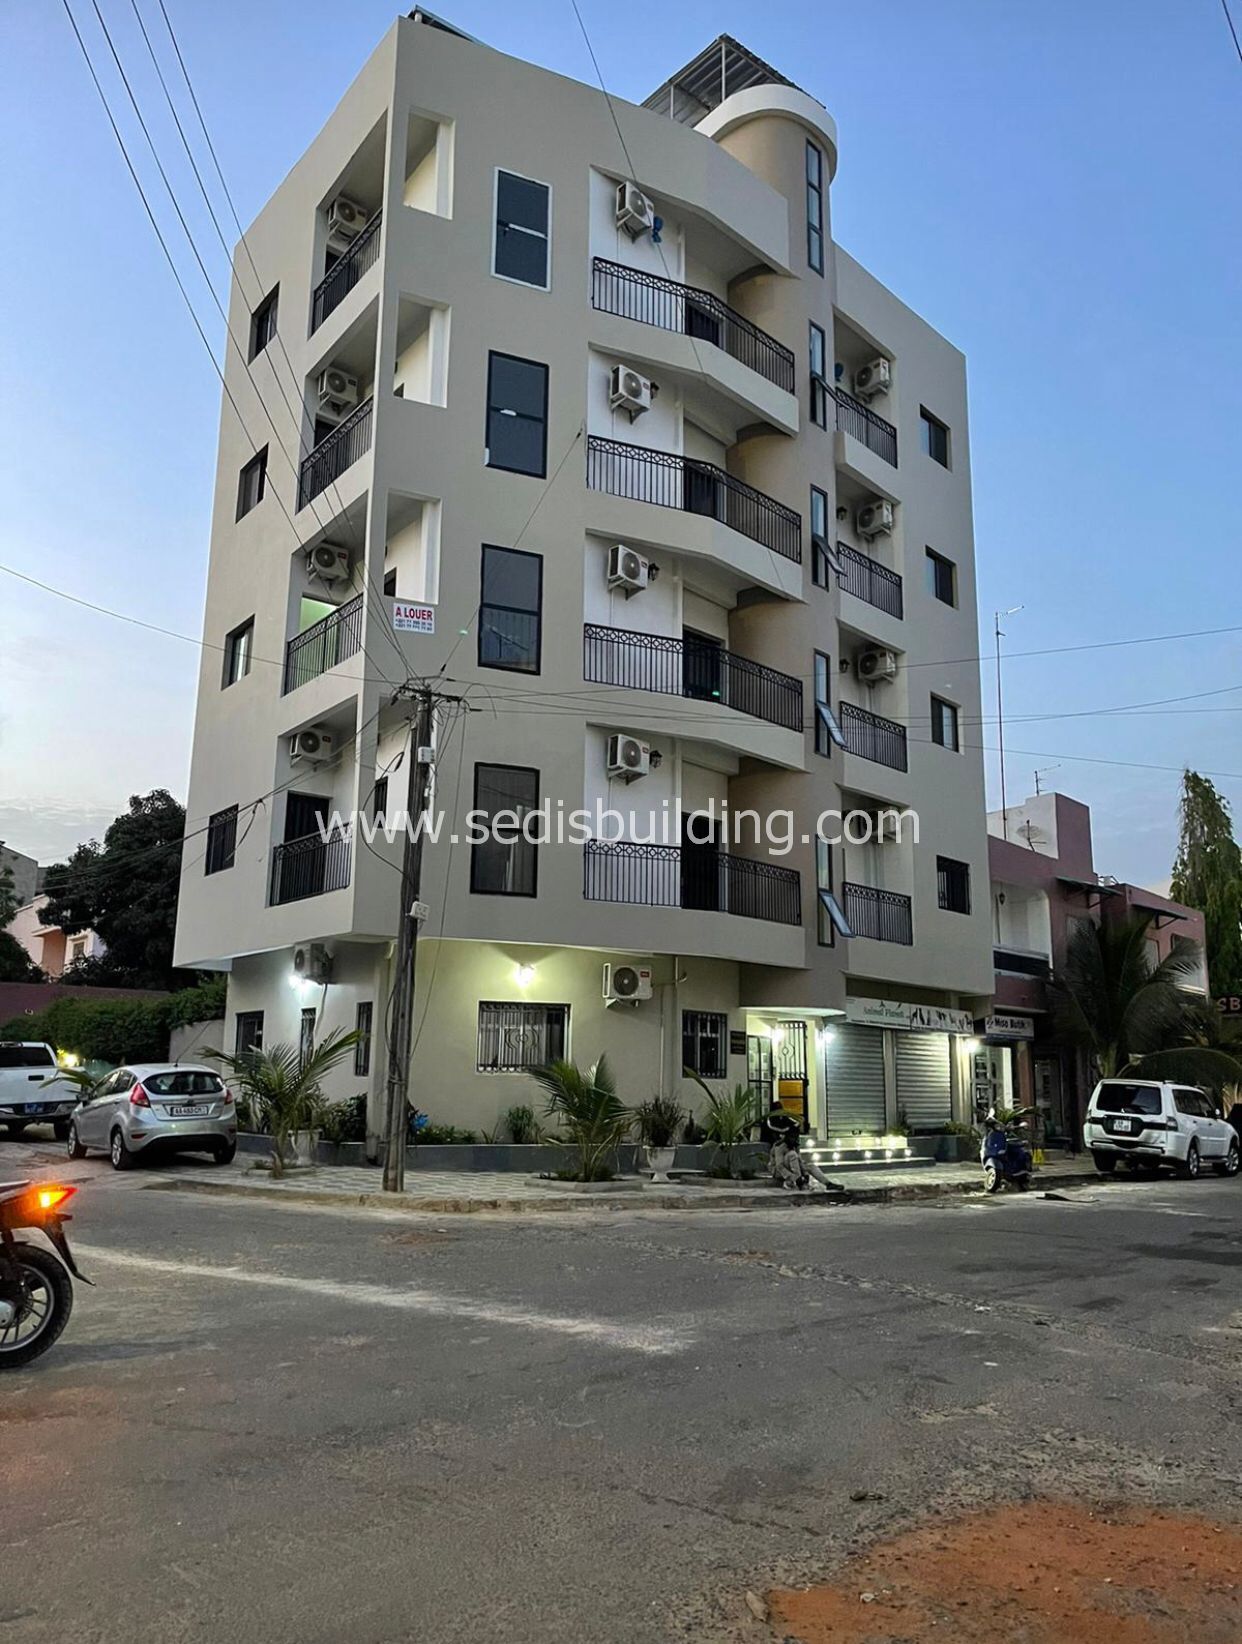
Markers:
point(731, 1116)
point(284, 1087)
point(1131, 1015)
point(591, 1114)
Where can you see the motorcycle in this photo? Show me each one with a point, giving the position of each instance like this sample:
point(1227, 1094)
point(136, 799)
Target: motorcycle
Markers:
point(36, 1291)
point(1006, 1159)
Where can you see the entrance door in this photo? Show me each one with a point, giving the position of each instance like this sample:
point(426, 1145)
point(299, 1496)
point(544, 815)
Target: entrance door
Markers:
point(759, 1067)
point(700, 862)
point(792, 1072)
point(701, 666)
point(304, 860)
point(701, 322)
point(698, 489)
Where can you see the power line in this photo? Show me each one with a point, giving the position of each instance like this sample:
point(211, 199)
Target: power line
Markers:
point(1237, 44)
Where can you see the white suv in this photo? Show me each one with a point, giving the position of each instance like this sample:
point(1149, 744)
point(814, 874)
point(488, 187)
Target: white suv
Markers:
point(1153, 1124)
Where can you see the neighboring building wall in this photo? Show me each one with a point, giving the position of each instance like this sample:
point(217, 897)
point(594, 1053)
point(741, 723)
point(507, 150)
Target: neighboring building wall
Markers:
point(25, 872)
point(48, 946)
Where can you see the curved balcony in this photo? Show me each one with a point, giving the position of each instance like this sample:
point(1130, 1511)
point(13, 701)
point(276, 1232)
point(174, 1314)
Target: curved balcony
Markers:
point(871, 736)
point(690, 668)
point(686, 309)
point(663, 876)
point(881, 915)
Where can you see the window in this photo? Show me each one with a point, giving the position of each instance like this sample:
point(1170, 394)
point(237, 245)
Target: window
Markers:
point(390, 584)
point(831, 916)
point(26, 1056)
point(827, 731)
point(513, 1038)
point(941, 578)
point(1144, 1099)
point(934, 436)
point(306, 1036)
point(263, 324)
point(509, 605)
point(517, 415)
point(77, 951)
point(952, 885)
point(251, 483)
point(520, 249)
point(944, 724)
point(362, 1050)
point(815, 208)
point(823, 559)
point(249, 1032)
point(705, 1043)
point(819, 379)
point(379, 799)
point(221, 840)
point(238, 646)
point(502, 862)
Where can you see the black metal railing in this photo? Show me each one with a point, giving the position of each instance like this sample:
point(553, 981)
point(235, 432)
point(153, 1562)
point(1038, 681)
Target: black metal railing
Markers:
point(693, 668)
point(345, 273)
point(311, 866)
point(1019, 963)
point(664, 876)
point(347, 442)
point(853, 417)
point(323, 644)
point(867, 579)
point(871, 736)
point(653, 300)
point(671, 481)
point(882, 915)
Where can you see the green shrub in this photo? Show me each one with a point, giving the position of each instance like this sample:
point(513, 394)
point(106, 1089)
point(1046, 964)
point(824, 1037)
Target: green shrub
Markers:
point(444, 1135)
point(345, 1121)
point(118, 1030)
point(523, 1125)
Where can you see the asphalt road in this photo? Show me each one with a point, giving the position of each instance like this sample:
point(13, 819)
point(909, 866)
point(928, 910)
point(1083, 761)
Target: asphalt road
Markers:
point(300, 1424)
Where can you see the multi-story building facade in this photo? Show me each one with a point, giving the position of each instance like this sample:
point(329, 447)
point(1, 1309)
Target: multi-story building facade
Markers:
point(579, 414)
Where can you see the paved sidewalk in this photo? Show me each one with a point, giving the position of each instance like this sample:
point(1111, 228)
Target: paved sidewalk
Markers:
point(463, 1192)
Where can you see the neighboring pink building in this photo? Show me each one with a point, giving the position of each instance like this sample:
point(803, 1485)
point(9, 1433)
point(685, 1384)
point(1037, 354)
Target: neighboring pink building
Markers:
point(51, 949)
point(1044, 884)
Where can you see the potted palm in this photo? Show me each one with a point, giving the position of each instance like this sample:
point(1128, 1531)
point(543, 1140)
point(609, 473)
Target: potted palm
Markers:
point(731, 1116)
point(659, 1123)
point(593, 1119)
point(284, 1090)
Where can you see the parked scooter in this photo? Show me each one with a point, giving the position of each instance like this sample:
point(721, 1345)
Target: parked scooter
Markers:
point(1006, 1158)
point(36, 1292)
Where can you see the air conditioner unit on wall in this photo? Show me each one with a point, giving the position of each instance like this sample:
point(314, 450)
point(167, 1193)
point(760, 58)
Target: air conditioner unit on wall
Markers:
point(629, 390)
point(875, 518)
point(627, 569)
point(346, 220)
point(312, 963)
point(311, 747)
point(328, 562)
point(626, 984)
point(635, 212)
point(337, 393)
point(874, 378)
point(627, 758)
point(876, 666)
point(887, 829)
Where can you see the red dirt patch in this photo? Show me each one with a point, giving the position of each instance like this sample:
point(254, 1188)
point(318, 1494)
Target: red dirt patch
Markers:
point(1045, 1573)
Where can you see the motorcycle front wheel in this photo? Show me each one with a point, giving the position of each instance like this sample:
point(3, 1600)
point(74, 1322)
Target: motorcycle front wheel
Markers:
point(991, 1178)
point(39, 1311)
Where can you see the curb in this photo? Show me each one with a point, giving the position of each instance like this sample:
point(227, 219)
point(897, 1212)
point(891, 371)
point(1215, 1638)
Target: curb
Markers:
point(719, 1199)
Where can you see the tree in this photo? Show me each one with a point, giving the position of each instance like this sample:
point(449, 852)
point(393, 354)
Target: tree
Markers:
point(1208, 875)
point(126, 890)
point(283, 1088)
point(592, 1117)
point(16, 964)
point(1132, 1016)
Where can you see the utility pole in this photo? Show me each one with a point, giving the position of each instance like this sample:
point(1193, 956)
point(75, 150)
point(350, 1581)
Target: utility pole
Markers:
point(1000, 716)
point(402, 1000)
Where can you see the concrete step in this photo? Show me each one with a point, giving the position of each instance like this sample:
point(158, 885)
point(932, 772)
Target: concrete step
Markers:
point(829, 1155)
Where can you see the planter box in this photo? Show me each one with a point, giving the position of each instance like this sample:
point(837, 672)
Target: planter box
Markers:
point(528, 1160)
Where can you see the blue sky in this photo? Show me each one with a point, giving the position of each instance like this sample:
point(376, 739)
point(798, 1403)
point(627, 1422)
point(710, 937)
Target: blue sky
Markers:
point(1053, 186)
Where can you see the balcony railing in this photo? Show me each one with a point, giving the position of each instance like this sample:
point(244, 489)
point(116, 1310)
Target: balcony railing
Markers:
point(853, 417)
point(1019, 962)
point(686, 667)
point(311, 866)
point(653, 300)
point(347, 442)
point(882, 915)
point(867, 579)
point(664, 876)
point(345, 273)
point(871, 736)
point(324, 644)
point(672, 481)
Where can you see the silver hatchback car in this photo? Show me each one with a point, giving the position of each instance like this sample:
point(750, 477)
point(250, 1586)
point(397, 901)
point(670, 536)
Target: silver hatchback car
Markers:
point(155, 1107)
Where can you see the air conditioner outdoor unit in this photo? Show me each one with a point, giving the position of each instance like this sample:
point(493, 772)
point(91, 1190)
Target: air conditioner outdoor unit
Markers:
point(887, 829)
point(627, 758)
point(875, 519)
point(328, 562)
point(876, 666)
point(627, 569)
point(629, 391)
point(312, 963)
point(635, 212)
point(337, 392)
point(872, 379)
point(311, 747)
point(346, 219)
point(626, 984)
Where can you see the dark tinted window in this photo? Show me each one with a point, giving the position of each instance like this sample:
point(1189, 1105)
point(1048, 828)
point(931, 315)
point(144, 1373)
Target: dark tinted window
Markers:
point(362, 1050)
point(704, 1042)
point(221, 840)
point(819, 538)
point(26, 1056)
point(251, 483)
point(504, 863)
point(815, 208)
point(184, 1082)
point(935, 438)
point(238, 649)
point(509, 610)
point(249, 1031)
point(517, 414)
point(263, 324)
point(819, 379)
point(521, 229)
point(944, 723)
point(953, 885)
point(941, 578)
point(1128, 1099)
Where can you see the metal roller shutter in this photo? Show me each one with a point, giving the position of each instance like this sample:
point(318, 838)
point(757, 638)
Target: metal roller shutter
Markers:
point(924, 1088)
point(856, 1082)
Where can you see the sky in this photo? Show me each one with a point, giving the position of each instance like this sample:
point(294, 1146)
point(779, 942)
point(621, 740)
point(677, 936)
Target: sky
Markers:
point(1053, 186)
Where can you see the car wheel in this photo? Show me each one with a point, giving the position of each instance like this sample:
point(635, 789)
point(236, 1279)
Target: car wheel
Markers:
point(60, 1129)
point(1230, 1163)
point(74, 1147)
point(224, 1152)
point(1105, 1163)
point(119, 1153)
point(1190, 1169)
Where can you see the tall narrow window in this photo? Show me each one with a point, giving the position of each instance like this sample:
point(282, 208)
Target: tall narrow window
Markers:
point(263, 323)
point(221, 841)
point(379, 799)
point(815, 207)
point(823, 557)
point(503, 860)
point(944, 724)
point(827, 731)
point(238, 646)
point(517, 415)
point(705, 1043)
point(252, 483)
point(515, 1037)
point(941, 578)
point(952, 885)
point(831, 916)
point(520, 251)
point(510, 602)
point(819, 380)
point(362, 1050)
point(248, 1031)
point(306, 1036)
point(935, 437)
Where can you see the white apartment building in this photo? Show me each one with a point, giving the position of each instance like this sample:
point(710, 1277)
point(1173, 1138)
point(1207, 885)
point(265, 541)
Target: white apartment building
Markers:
point(606, 436)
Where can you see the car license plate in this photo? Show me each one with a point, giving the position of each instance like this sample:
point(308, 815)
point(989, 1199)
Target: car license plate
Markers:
point(188, 1112)
point(1122, 1124)
point(36, 1107)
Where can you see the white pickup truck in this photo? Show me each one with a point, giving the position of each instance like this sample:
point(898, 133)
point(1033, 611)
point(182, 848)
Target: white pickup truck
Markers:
point(26, 1096)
